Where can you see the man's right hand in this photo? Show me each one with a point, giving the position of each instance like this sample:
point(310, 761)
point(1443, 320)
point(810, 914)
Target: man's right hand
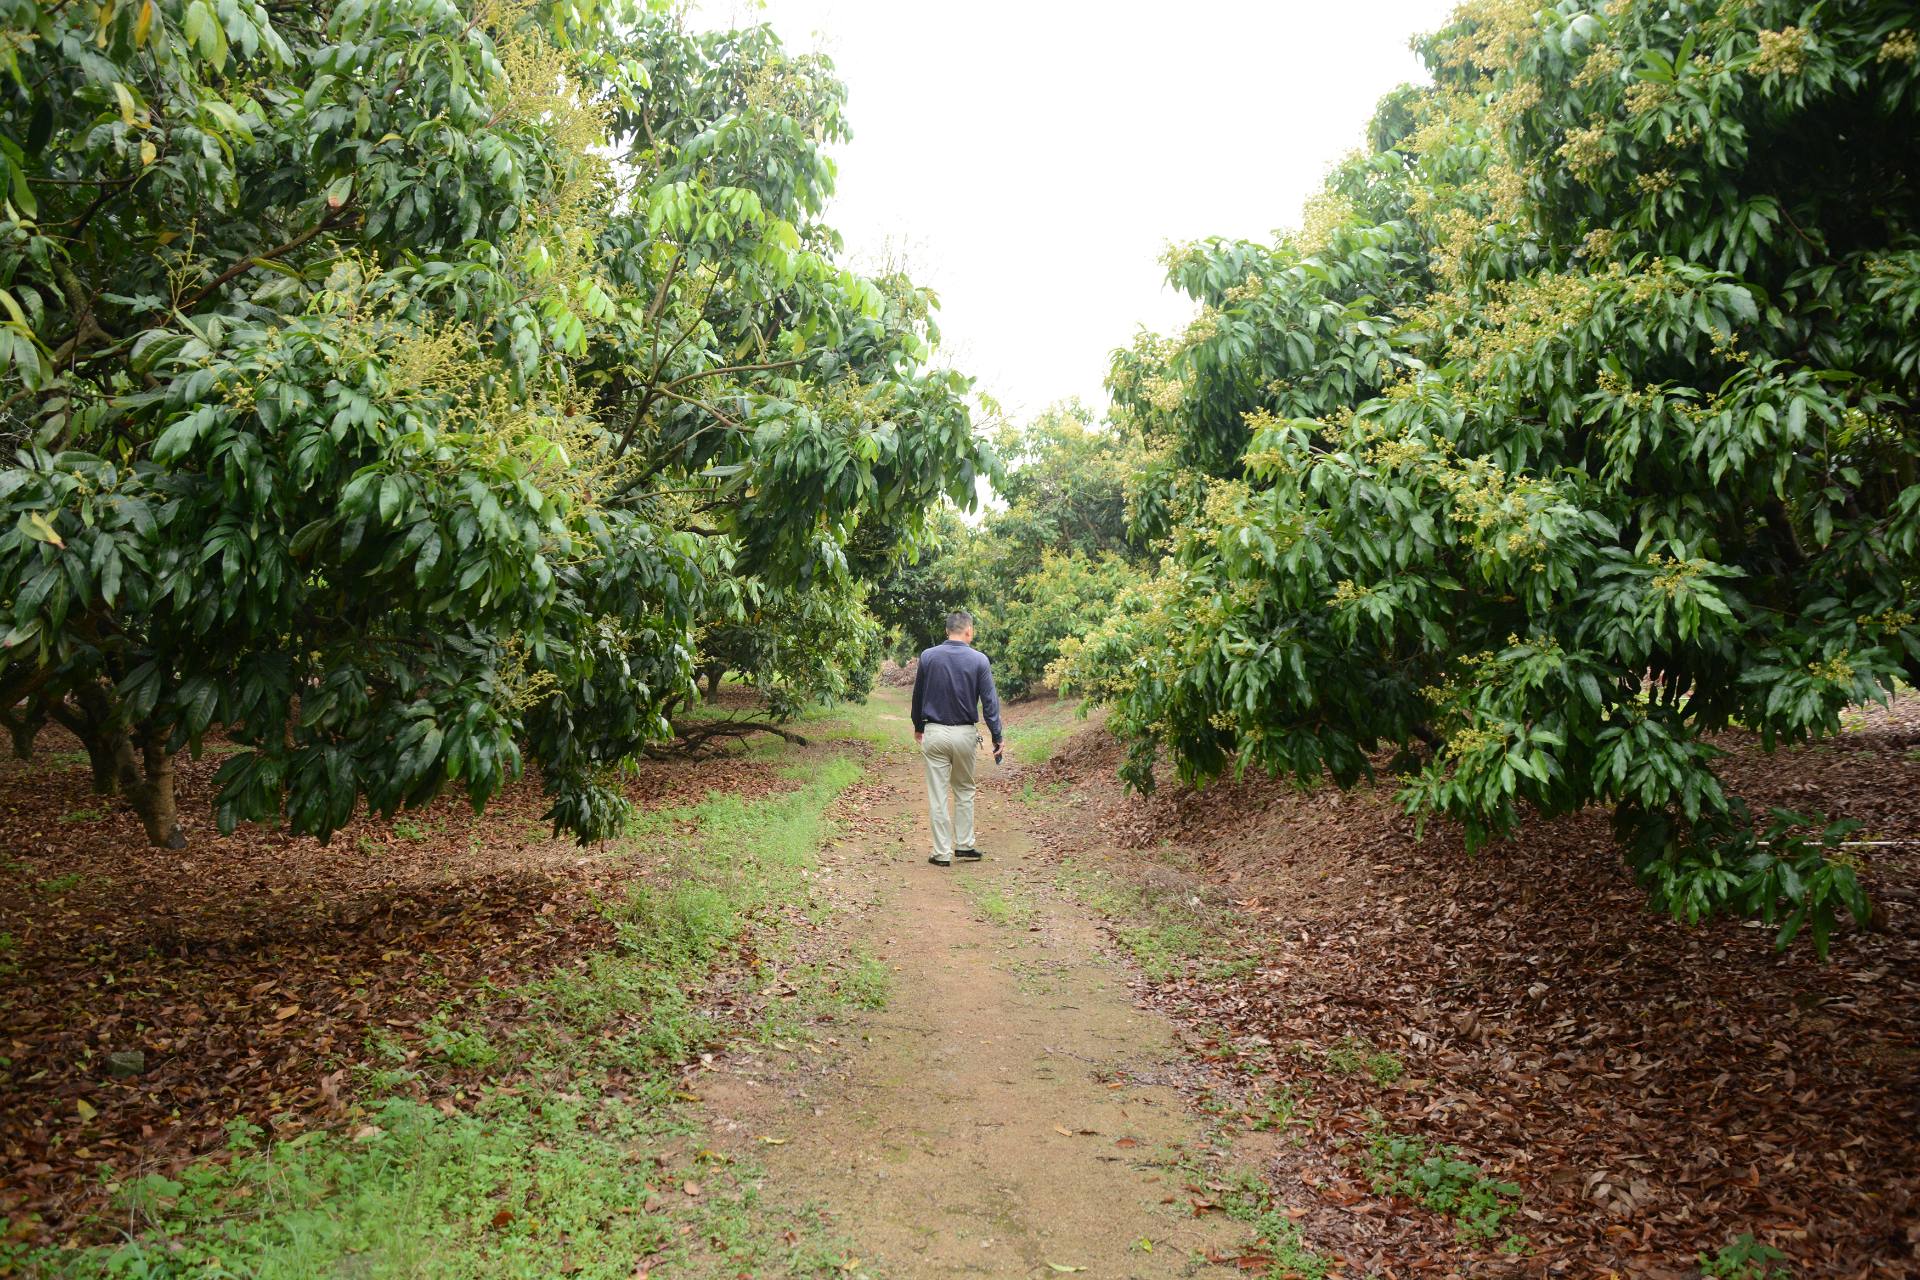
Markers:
point(996, 753)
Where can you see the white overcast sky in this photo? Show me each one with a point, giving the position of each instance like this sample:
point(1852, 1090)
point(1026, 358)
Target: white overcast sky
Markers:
point(1032, 158)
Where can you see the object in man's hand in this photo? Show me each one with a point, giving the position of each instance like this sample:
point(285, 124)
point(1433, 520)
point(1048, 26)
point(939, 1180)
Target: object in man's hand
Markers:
point(996, 753)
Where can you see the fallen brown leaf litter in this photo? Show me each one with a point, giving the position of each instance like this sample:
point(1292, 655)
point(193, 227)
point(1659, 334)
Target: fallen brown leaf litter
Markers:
point(149, 996)
point(1655, 1090)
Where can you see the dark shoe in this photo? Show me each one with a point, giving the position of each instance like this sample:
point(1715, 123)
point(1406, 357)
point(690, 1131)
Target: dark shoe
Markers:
point(967, 855)
point(940, 862)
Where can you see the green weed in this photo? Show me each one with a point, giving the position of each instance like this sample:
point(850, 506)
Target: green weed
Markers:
point(1385, 1068)
point(94, 814)
point(1164, 945)
point(990, 897)
point(381, 1044)
point(867, 982)
point(1281, 1109)
point(1744, 1258)
point(1164, 934)
point(1244, 1196)
point(59, 885)
point(1352, 1055)
point(1437, 1178)
point(459, 1046)
point(523, 1187)
point(1100, 890)
point(880, 721)
point(1032, 794)
point(1035, 744)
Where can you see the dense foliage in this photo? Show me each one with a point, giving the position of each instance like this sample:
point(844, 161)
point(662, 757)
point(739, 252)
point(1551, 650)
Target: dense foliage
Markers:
point(1040, 569)
point(396, 386)
point(1577, 423)
point(796, 646)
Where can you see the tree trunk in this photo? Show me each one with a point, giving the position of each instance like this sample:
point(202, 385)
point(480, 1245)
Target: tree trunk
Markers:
point(142, 770)
point(20, 729)
point(150, 795)
point(101, 761)
point(713, 682)
point(89, 724)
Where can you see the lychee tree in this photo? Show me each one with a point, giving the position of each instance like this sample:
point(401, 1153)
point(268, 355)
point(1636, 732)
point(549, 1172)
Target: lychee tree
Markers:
point(394, 387)
point(1577, 423)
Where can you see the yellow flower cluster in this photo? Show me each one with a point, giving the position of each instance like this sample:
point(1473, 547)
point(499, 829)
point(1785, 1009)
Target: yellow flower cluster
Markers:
point(1267, 464)
point(1586, 151)
point(1902, 46)
point(1247, 290)
point(1165, 393)
point(444, 374)
point(1782, 52)
point(1489, 34)
point(1324, 214)
point(1507, 109)
point(1223, 502)
point(788, 87)
point(1488, 500)
point(1346, 592)
point(521, 685)
point(1891, 622)
point(1599, 243)
point(1674, 574)
point(1403, 452)
point(1454, 231)
point(1602, 63)
point(1521, 316)
point(1835, 670)
point(1202, 328)
point(1176, 254)
point(1644, 96)
point(1654, 182)
point(1506, 189)
point(1467, 741)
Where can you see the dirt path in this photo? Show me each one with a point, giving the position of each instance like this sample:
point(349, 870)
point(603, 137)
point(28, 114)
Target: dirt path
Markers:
point(1008, 1112)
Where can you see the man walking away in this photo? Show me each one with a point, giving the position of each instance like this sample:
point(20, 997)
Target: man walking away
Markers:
point(955, 684)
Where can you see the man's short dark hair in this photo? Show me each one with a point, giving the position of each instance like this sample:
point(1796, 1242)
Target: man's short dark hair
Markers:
point(957, 621)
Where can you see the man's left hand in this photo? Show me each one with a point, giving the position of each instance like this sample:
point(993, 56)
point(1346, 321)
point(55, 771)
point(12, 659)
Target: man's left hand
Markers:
point(996, 753)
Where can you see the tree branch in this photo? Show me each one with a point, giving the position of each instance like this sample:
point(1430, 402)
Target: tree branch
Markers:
point(247, 264)
point(732, 368)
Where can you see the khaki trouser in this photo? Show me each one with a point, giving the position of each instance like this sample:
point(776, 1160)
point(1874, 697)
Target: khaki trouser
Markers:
point(950, 752)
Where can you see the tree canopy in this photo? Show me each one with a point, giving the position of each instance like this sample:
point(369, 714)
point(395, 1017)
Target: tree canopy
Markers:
point(1042, 567)
point(397, 386)
point(1577, 423)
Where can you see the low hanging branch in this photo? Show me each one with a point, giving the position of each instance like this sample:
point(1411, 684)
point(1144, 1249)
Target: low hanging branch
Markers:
point(698, 737)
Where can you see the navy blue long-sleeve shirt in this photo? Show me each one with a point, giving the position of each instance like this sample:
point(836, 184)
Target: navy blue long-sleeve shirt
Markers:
point(954, 678)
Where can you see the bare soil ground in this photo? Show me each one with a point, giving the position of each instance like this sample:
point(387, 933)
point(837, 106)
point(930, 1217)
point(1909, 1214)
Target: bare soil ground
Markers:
point(1654, 1090)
